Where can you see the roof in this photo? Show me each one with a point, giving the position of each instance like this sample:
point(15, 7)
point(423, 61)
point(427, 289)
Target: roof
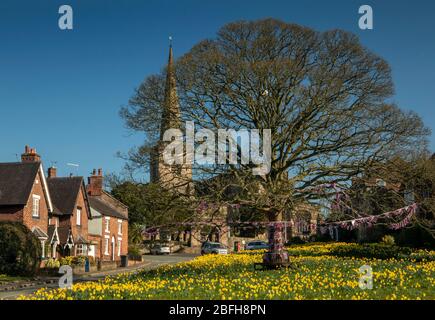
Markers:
point(64, 191)
point(16, 182)
point(39, 233)
point(81, 240)
point(95, 214)
point(104, 208)
point(114, 199)
point(64, 234)
point(52, 234)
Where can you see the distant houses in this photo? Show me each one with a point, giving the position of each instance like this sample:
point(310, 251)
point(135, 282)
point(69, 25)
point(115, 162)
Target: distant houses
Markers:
point(69, 217)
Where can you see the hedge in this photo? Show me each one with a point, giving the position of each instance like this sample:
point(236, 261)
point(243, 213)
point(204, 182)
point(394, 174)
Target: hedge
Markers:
point(20, 250)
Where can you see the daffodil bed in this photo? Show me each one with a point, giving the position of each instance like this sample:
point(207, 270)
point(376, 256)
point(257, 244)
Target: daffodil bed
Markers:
point(316, 274)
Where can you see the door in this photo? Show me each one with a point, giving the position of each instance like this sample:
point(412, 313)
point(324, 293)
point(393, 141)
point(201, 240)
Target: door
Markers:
point(91, 252)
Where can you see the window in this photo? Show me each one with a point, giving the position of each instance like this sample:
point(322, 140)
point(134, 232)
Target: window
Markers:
point(107, 224)
point(79, 217)
point(119, 226)
point(106, 246)
point(81, 250)
point(35, 206)
point(119, 247)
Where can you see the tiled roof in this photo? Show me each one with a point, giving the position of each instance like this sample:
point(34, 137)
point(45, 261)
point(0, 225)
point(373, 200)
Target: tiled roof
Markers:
point(64, 233)
point(39, 233)
point(104, 208)
point(64, 193)
point(52, 233)
point(80, 240)
point(16, 181)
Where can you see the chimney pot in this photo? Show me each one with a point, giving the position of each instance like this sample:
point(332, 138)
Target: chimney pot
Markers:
point(30, 155)
point(52, 172)
point(95, 183)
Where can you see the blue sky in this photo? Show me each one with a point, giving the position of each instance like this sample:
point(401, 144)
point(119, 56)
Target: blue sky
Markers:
point(60, 91)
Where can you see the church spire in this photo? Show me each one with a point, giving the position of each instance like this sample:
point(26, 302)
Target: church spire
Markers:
point(171, 108)
point(171, 176)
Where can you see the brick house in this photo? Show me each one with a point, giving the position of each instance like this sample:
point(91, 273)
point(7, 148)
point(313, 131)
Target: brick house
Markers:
point(70, 214)
point(109, 224)
point(24, 195)
point(68, 217)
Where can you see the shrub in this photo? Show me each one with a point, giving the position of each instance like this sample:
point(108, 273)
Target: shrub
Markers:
point(415, 237)
point(323, 238)
point(52, 264)
point(20, 250)
point(73, 261)
point(423, 255)
point(296, 240)
point(134, 253)
point(388, 240)
point(66, 261)
point(372, 250)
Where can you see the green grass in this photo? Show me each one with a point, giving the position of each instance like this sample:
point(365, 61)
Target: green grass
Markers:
point(317, 273)
point(6, 278)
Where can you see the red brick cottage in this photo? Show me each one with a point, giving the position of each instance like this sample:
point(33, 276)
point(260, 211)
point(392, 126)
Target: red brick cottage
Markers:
point(109, 223)
point(24, 195)
point(70, 214)
point(68, 217)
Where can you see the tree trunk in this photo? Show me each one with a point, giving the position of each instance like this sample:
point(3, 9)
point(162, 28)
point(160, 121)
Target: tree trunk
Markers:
point(277, 254)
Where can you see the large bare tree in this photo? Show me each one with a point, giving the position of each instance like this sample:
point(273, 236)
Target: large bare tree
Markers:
point(325, 97)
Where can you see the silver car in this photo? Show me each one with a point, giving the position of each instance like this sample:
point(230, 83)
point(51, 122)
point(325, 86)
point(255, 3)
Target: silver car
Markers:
point(160, 249)
point(256, 245)
point(214, 248)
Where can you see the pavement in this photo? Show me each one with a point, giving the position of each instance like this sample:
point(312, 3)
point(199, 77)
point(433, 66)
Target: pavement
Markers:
point(150, 262)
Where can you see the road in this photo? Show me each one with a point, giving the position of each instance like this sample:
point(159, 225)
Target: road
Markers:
point(152, 262)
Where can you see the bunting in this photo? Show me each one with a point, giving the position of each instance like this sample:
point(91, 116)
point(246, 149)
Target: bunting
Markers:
point(371, 220)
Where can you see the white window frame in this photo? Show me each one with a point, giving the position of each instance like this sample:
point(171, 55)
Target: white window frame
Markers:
point(81, 250)
point(119, 246)
point(119, 227)
point(36, 205)
point(79, 217)
point(107, 224)
point(106, 245)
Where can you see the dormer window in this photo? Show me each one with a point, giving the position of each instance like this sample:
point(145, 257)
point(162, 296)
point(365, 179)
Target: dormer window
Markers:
point(35, 205)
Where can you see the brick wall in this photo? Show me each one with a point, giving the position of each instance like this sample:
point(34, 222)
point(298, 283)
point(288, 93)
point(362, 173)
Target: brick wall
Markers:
point(42, 221)
point(81, 229)
point(71, 220)
point(97, 241)
point(113, 233)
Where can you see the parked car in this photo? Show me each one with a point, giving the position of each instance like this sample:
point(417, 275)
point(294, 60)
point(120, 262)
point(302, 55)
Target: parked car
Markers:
point(213, 248)
point(160, 249)
point(256, 245)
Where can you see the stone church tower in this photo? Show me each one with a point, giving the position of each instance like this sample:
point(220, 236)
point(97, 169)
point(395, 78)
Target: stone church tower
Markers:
point(173, 177)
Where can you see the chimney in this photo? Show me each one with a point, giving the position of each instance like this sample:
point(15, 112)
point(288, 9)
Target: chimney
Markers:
point(30, 155)
point(95, 183)
point(52, 172)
